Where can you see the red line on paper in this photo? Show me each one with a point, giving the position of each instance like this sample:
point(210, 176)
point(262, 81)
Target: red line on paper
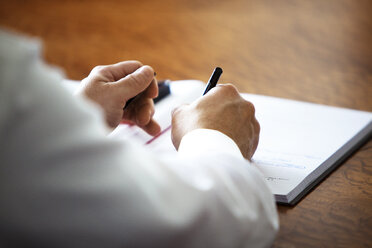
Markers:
point(155, 137)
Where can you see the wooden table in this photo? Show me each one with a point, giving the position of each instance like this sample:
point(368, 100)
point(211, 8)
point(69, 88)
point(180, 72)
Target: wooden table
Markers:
point(317, 51)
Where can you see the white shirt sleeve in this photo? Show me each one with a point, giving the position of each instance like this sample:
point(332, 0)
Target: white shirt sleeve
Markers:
point(200, 141)
point(63, 183)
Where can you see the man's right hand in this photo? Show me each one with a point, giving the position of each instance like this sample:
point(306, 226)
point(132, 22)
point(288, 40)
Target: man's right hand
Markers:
point(221, 109)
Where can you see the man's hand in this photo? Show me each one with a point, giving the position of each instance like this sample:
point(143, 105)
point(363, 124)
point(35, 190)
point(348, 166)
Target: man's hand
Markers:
point(221, 109)
point(112, 86)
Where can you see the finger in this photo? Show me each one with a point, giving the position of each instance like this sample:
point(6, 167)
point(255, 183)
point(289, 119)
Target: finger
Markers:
point(256, 125)
point(254, 145)
point(130, 113)
point(136, 82)
point(152, 90)
point(152, 128)
point(248, 148)
point(128, 122)
point(140, 111)
point(122, 69)
point(256, 134)
point(144, 111)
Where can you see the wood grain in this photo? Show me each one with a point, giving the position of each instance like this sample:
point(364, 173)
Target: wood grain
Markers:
point(317, 51)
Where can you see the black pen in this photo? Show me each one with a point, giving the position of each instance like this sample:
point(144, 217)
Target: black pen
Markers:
point(213, 79)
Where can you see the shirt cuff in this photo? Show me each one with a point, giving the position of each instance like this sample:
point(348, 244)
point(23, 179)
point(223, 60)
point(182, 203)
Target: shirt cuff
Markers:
point(202, 141)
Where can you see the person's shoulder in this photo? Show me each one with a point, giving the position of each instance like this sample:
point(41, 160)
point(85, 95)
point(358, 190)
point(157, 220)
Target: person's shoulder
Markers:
point(19, 56)
point(17, 48)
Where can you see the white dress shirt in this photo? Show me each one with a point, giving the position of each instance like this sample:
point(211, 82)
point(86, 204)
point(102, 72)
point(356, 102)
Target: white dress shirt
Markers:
point(64, 183)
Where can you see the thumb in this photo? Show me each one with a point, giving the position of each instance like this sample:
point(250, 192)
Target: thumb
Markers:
point(136, 82)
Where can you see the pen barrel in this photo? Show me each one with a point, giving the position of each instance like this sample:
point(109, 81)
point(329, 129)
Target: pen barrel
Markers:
point(213, 79)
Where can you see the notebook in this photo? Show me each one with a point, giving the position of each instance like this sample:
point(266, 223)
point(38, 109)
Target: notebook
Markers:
point(300, 143)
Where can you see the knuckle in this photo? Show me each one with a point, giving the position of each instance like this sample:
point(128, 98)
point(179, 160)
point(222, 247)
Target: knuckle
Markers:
point(250, 107)
point(257, 125)
point(230, 88)
point(139, 63)
point(144, 76)
point(177, 110)
point(148, 72)
point(135, 79)
point(99, 70)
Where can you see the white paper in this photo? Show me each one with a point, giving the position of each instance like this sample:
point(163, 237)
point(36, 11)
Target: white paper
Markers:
point(295, 139)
